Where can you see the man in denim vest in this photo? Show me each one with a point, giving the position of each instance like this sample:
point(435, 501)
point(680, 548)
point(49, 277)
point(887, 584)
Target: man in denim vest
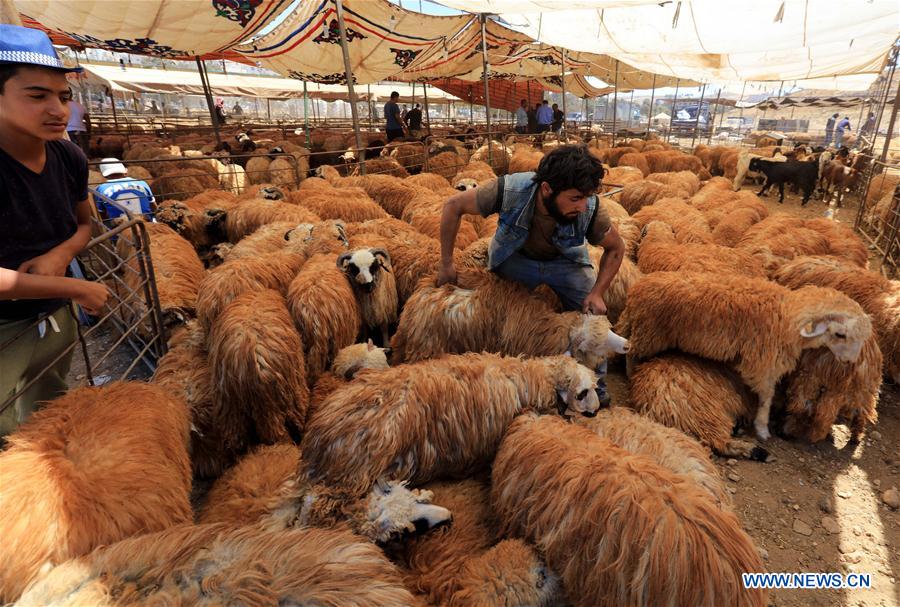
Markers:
point(546, 219)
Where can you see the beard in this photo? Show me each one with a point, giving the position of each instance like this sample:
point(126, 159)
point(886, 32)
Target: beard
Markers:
point(553, 209)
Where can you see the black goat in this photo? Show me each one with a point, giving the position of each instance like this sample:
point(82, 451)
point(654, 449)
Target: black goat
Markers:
point(803, 174)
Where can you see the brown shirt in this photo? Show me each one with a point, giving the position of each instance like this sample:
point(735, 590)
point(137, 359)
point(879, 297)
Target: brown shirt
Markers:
point(539, 244)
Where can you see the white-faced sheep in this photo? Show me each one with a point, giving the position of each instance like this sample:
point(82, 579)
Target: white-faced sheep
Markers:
point(369, 273)
point(668, 447)
point(472, 175)
point(270, 489)
point(460, 565)
point(763, 326)
point(189, 217)
point(619, 528)
point(92, 467)
point(486, 313)
point(660, 251)
point(877, 295)
point(701, 398)
point(220, 565)
point(435, 419)
point(259, 374)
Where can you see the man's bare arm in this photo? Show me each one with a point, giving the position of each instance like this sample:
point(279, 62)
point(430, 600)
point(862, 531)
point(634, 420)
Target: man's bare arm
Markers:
point(18, 285)
point(456, 206)
point(613, 252)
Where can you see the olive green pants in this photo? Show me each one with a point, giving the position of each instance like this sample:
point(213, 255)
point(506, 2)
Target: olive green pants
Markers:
point(31, 357)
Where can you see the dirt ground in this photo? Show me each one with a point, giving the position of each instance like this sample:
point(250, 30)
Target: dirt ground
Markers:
point(819, 508)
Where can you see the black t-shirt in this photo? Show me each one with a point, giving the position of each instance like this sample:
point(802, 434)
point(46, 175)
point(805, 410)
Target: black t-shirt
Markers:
point(557, 119)
point(414, 119)
point(37, 213)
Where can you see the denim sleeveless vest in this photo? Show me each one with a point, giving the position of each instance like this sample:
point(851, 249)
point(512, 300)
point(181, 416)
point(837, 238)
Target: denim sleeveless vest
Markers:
point(516, 211)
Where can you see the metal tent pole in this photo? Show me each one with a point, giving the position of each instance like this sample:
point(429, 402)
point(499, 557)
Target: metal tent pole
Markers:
point(741, 109)
point(615, 101)
point(306, 114)
point(890, 130)
point(650, 111)
point(207, 92)
point(562, 80)
point(425, 93)
point(672, 117)
point(371, 107)
point(484, 76)
point(339, 6)
point(269, 109)
point(887, 90)
point(697, 119)
point(712, 120)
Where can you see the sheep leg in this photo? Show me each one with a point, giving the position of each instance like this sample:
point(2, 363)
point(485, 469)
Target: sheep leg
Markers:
point(385, 338)
point(761, 423)
point(780, 192)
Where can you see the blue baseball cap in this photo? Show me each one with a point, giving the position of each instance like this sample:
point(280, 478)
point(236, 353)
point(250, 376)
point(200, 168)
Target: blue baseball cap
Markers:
point(27, 46)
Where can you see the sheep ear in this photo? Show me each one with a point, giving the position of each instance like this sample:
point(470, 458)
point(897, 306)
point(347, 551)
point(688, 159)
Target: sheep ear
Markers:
point(382, 486)
point(381, 253)
point(343, 259)
point(812, 329)
point(287, 235)
point(351, 371)
point(370, 345)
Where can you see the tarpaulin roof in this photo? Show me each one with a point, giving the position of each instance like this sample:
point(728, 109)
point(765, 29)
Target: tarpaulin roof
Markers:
point(774, 103)
point(504, 94)
point(175, 29)
point(710, 40)
point(142, 80)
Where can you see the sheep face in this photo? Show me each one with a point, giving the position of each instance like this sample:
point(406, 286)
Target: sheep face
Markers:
point(300, 233)
point(842, 334)
point(271, 193)
point(175, 215)
point(395, 512)
point(575, 390)
point(363, 266)
point(592, 341)
point(466, 183)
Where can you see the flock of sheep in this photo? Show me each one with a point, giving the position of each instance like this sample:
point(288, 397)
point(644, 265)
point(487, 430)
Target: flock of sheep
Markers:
point(464, 460)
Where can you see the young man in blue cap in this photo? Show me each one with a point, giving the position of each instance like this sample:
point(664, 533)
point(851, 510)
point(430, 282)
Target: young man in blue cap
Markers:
point(44, 222)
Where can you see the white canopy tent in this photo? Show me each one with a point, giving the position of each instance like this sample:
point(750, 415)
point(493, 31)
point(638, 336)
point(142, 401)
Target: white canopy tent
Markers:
point(714, 40)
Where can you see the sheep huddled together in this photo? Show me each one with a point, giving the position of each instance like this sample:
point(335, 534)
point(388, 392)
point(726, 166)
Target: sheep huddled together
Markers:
point(477, 467)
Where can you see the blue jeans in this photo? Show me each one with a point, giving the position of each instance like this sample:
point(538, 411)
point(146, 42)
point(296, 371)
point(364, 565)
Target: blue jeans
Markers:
point(838, 136)
point(570, 281)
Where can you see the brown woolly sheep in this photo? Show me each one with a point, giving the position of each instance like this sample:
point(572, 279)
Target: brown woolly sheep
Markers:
point(446, 164)
point(184, 372)
point(668, 447)
point(878, 296)
point(620, 176)
point(391, 193)
point(181, 184)
point(347, 362)
point(436, 418)
point(430, 225)
point(92, 467)
point(686, 181)
point(497, 157)
point(256, 357)
point(411, 156)
point(235, 277)
point(617, 294)
point(611, 156)
point(430, 181)
point(325, 312)
point(469, 317)
point(701, 398)
point(619, 528)
point(781, 237)
point(283, 173)
point(525, 161)
point(762, 325)
point(456, 564)
point(270, 489)
point(660, 251)
point(642, 193)
point(348, 204)
point(474, 174)
point(247, 216)
point(688, 224)
point(731, 228)
point(305, 238)
point(189, 218)
point(822, 390)
point(369, 272)
point(257, 170)
point(220, 565)
point(635, 160)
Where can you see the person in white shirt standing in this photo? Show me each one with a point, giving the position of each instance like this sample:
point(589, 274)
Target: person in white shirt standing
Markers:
point(77, 128)
point(522, 117)
point(132, 194)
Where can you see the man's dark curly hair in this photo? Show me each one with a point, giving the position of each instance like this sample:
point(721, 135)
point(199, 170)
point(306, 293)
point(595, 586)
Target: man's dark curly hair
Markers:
point(570, 166)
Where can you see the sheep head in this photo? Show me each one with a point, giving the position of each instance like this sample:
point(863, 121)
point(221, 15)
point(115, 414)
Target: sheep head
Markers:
point(659, 231)
point(592, 341)
point(466, 183)
point(271, 192)
point(394, 512)
point(575, 386)
point(174, 214)
point(513, 569)
point(349, 156)
point(363, 266)
point(352, 359)
point(826, 317)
